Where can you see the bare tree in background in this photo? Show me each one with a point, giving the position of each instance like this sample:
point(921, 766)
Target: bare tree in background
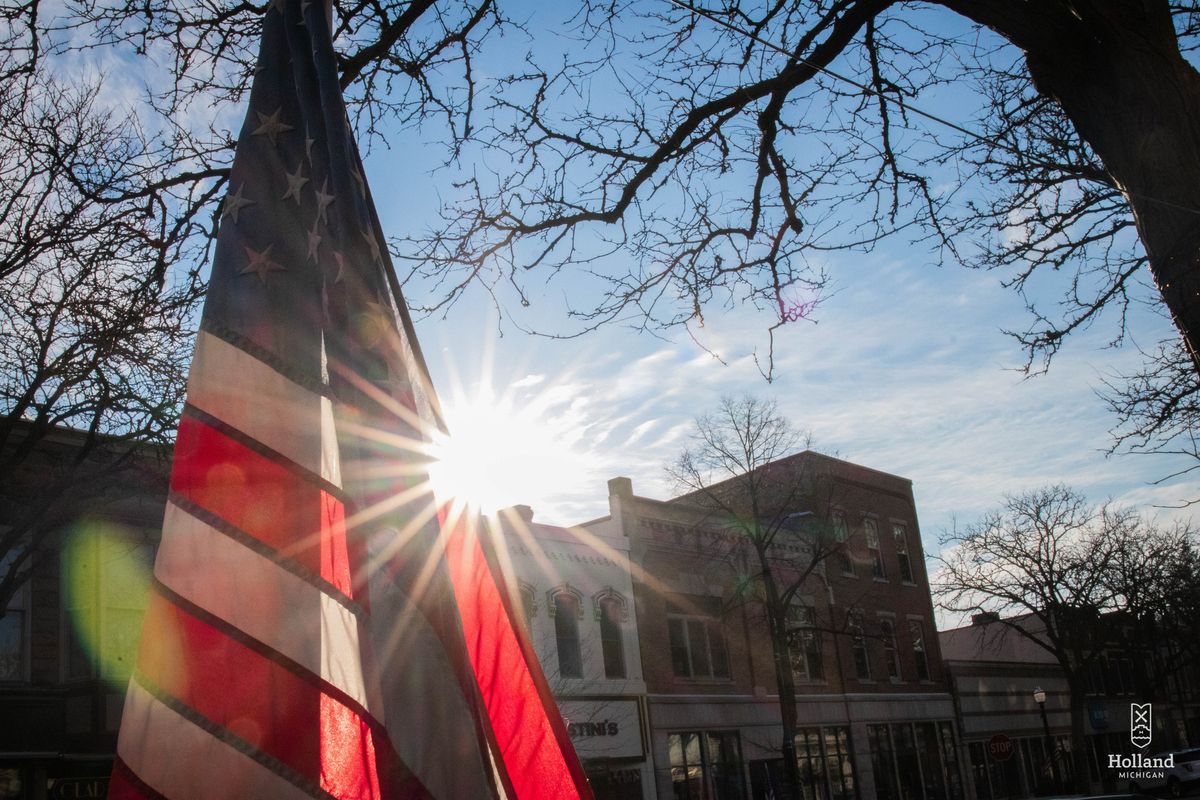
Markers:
point(95, 320)
point(769, 518)
point(1155, 577)
point(1055, 570)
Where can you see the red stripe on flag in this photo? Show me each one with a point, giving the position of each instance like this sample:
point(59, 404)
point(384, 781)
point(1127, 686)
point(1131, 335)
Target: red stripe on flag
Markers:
point(538, 758)
point(266, 500)
point(124, 785)
point(267, 705)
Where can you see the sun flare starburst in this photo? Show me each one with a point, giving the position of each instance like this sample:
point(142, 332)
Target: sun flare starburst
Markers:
point(502, 450)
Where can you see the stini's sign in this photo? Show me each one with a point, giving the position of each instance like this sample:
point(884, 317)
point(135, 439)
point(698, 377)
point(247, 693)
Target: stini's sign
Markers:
point(604, 728)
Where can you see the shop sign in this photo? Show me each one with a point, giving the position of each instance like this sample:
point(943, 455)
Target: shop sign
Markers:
point(604, 728)
point(76, 788)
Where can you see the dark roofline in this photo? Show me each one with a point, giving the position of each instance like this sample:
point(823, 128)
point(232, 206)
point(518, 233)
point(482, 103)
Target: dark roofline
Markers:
point(802, 455)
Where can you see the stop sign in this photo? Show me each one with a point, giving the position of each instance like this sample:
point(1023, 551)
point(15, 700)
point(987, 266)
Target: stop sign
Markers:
point(1000, 747)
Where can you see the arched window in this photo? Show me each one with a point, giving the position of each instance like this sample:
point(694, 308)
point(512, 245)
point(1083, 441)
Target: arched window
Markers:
point(566, 605)
point(528, 602)
point(611, 609)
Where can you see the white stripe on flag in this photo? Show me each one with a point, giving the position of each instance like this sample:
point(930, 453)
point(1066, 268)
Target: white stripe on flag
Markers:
point(260, 598)
point(152, 738)
point(420, 687)
point(243, 392)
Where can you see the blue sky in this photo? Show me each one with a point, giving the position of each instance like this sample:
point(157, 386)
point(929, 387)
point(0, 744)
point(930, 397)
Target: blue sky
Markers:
point(903, 368)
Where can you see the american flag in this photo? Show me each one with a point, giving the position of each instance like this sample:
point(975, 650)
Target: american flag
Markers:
point(317, 627)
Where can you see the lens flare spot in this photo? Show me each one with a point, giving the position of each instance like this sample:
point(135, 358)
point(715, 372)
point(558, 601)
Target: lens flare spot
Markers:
point(247, 729)
point(106, 577)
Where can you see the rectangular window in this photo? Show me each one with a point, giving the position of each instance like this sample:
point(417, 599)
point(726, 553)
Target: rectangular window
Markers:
point(611, 643)
point(826, 764)
point(804, 644)
point(862, 656)
point(929, 752)
point(917, 633)
point(567, 611)
point(14, 631)
point(887, 633)
point(697, 647)
point(871, 534)
point(883, 762)
point(840, 535)
point(706, 765)
point(917, 761)
point(900, 534)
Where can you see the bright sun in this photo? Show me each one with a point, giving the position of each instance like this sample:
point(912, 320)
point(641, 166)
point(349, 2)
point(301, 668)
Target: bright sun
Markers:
point(498, 454)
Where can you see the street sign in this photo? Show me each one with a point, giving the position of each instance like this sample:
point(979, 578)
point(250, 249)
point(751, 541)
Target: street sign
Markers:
point(1000, 747)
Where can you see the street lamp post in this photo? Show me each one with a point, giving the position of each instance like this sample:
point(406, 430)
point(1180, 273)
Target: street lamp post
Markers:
point(1039, 697)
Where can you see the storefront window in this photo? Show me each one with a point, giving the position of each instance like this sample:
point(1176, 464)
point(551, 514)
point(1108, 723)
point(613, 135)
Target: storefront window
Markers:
point(826, 764)
point(706, 765)
point(917, 761)
point(10, 783)
point(930, 753)
point(614, 783)
point(883, 762)
point(950, 761)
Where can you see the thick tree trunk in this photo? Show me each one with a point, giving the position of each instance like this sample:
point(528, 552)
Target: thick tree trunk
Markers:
point(1116, 69)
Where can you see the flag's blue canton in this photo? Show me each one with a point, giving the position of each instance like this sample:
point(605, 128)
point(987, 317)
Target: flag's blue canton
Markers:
point(299, 243)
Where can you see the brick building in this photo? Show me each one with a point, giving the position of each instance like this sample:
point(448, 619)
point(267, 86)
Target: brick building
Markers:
point(874, 707)
point(667, 686)
point(68, 637)
point(994, 672)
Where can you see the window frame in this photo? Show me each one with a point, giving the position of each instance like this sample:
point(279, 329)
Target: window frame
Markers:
point(706, 767)
point(805, 647)
point(611, 613)
point(859, 650)
point(566, 629)
point(891, 650)
point(874, 548)
point(687, 624)
point(916, 632)
point(841, 535)
point(903, 558)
